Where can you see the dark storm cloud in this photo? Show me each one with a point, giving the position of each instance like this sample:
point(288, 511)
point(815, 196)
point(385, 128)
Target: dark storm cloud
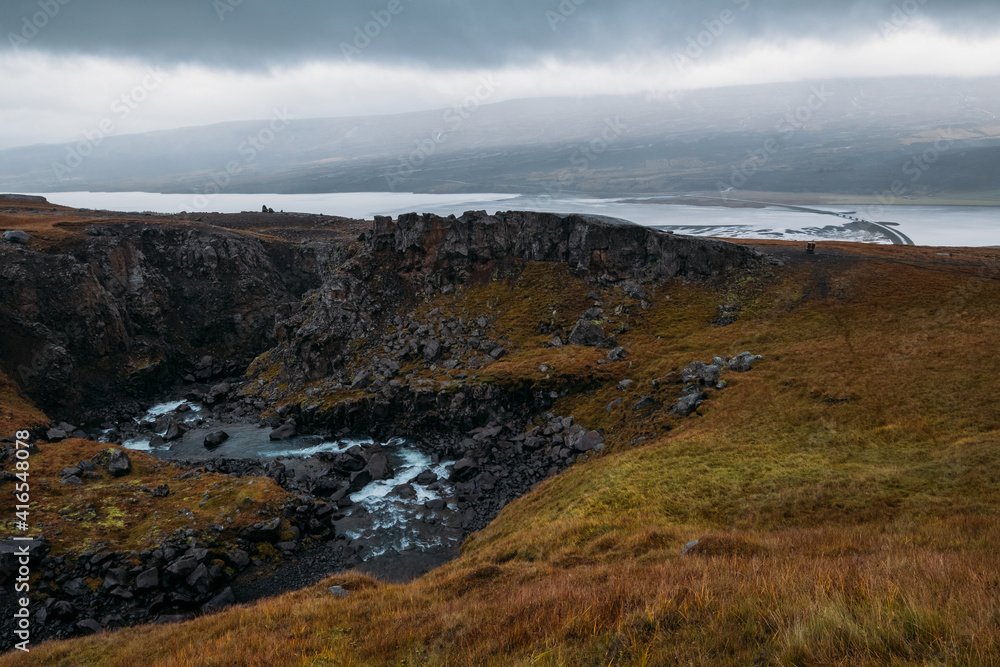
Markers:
point(446, 33)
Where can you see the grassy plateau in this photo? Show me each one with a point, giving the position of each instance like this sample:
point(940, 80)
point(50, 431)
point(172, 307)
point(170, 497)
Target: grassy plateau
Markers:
point(844, 493)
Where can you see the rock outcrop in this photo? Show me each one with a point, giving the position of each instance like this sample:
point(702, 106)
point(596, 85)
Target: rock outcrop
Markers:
point(599, 247)
point(132, 305)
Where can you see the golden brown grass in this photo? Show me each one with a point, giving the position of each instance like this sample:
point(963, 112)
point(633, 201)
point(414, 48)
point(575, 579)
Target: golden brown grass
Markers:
point(17, 412)
point(845, 493)
point(119, 514)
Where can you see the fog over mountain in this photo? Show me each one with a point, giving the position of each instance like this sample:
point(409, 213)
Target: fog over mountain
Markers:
point(74, 67)
point(846, 136)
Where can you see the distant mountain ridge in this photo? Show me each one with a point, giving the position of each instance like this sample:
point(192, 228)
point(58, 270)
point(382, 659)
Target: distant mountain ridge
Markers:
point(856, 137)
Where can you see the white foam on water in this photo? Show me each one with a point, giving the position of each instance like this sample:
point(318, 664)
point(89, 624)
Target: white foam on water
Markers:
point(161, 409)
point(141, 445)
point(164, 408)
point(391, 515)
point(334, 447)
point(413, 463)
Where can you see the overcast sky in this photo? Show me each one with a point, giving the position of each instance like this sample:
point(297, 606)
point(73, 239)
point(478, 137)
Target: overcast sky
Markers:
point(71, 67)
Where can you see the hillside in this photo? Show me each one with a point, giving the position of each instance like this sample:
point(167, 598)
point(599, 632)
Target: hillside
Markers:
point(939, 136)
point(842, 490)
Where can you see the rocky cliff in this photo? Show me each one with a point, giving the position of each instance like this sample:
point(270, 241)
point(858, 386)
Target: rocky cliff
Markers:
point(123, 309)
point(126, 308)
point(359, 328)
point(604, 248)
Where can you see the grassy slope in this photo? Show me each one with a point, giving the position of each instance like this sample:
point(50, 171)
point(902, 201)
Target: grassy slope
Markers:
point(846, 490)
point(120, 515)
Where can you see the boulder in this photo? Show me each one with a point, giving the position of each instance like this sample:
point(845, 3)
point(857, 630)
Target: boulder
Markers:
point(175, 431)
point(464, 470)
point(16, 236)
point(699, 371)
point(200, 579)
point(645, 403)
point(284, 432)
point(213, 440)
point(148, 580)
point(56, 435)
point(224, 599)
point(585, 441)
point(742, 362)
point(432, 350)
point(239, 558)
point(687, 404)
point(183, 567)
point(617, 354)
point(89, 626)
point(587, 332)
point(361, 381)
point(359, 480)
point(267, 531)
point(220, 390)
point(426, 477)
point(378, 467)
point(405, 491)
point(161, 491)
point(350, 461)
point(116, 461)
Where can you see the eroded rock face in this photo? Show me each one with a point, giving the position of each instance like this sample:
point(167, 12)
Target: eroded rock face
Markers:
point(592, 245)
point(131, 304)
point(361, 298)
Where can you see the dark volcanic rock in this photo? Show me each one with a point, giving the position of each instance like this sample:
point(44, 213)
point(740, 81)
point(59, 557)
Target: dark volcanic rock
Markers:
point(742, 362)
point(116, 461)
point(688, 404)
point(16, 236)
point(465, 469)
point(224, 599)
point(587, 244)
point(617, 354)
point(284, 432)
point(587, 332)
point(213, 440)
point(267, 531)
point(148, 580)
point(378, 467)
point(699, 371)
point(645, 403)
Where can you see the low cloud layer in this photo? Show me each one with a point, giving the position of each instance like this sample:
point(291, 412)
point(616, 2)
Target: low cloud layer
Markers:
point(447, 34)
point(70, 66)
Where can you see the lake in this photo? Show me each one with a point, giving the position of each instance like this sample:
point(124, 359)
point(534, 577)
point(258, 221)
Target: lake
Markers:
point(924, 225)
